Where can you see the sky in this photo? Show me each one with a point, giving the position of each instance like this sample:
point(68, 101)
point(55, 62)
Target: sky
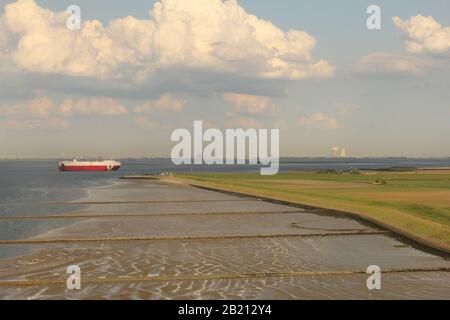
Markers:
point(134, 71)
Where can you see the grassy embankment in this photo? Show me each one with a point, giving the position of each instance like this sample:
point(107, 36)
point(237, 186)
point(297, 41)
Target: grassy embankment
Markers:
point(415, 203)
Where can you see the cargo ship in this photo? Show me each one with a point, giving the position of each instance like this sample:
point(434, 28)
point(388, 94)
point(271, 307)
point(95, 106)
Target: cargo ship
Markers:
point(102, 165)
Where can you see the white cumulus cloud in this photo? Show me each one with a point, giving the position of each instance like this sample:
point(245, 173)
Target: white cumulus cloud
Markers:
point(425, 34)
point(213, 35)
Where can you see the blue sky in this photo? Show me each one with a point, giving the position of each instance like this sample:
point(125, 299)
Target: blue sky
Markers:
point(375, 96)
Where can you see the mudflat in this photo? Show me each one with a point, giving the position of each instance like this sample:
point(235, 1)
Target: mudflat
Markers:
point(150, 239)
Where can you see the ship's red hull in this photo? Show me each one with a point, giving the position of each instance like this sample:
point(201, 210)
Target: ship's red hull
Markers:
point(88, 168)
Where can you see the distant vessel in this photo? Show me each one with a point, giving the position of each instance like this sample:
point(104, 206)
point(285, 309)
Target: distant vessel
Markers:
point(103, 165)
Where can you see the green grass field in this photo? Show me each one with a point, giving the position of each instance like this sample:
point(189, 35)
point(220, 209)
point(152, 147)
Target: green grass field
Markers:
point(416, 202)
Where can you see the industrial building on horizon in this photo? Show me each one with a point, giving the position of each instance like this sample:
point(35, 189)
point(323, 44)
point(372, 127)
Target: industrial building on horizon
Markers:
point(338, 152)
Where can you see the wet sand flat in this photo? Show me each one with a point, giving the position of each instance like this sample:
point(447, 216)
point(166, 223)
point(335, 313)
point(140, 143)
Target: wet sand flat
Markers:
point(314, 287)
point(209, 225)
point(228, 257)
point(151, 240)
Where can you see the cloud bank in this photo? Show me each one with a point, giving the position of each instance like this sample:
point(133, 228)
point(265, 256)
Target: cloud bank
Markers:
point(214, 35)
